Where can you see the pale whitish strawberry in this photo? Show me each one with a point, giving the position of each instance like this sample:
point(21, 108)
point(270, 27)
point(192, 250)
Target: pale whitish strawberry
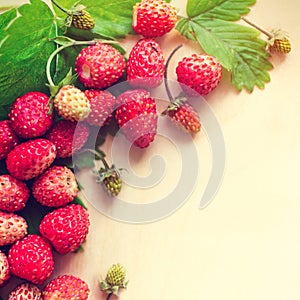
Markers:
point(31, 258)
point(66, 287)
point(200, 72)
point(71, 103)
point(12, 228)
point(25, 291)
point(4, 269)
point(102, 106)
point(30, 116)
point(14, 193)
point(137, 117)
point(99, 66)
point(146, 64)
point(8, 138)
point(68, 137)
point(31, 158)
point(66, 227)
point(153, 18)
point(57, 186)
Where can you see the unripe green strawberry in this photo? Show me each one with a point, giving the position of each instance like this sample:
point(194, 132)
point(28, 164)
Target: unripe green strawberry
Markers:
point(8, 138)
point(14, 193)
point(146, 64)
point(99, 66)
point(25, 291)
point(63, 136)
point(71, 103)
point(31, 158)
point(153, 18)
point(12, 228)
point(111, 179)
point(4, 269)
point(281, 46)
point(30, 116)
point(66, 287)
point(82, 19)
point(57, 186)
point(31, 258)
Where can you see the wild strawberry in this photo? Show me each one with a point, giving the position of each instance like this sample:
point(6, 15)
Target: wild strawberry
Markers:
point(31, 258)
point(102, 106)
point(137, 117)
point(81, 19)
point(30, 116)
point(63, 286)
point(31, 158)
point(8, 138)
point(71, 103)
point(12, 228)
point(57, 186)
point(153, 18)
point(202, 73)
point(25, 291)
point(66, 227)
point(4, 269)
point(146, 64)
point(99, 66)
point(63, 136)
point(14, 193)
point(184, 114)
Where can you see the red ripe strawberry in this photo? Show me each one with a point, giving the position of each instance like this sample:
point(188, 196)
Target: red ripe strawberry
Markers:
point(8, 138)
point(25, 291)
point(184, 114)
point(153, 18)
point(14, 193)
point(102, 106)
point(66, 227)
point(63, 136)
point(4, 269)
point(202, 73)
point(60, 288)
point(29, 115)
point(99, 66)
point(31, 158)
point(71, 103)
point(146, 64)
point(137, 117)
point(57, 186)
point(31, 258)
point(12, 228)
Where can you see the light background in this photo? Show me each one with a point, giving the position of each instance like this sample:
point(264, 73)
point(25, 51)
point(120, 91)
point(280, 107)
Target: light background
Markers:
point(246, 243)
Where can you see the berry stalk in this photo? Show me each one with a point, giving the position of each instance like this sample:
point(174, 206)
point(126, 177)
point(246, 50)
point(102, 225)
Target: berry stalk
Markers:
point(268, 34)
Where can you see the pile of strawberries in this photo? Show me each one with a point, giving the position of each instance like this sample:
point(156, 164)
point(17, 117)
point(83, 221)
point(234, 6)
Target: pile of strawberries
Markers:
point(40, 130)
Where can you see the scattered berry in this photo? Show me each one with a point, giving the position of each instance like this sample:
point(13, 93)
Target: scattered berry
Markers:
point(99, 66)
point(12, 228)
point(60, 288)
point(71, 103)
point(146, 64)
point(25, 291)
point(8, 139)
point(57, 186)
point(66, 227)
point(63, 136)
point(31, 258)
point(137, 117)
point(102, 106)
point(81, 19)
point(4, 269)
point(279, 42)
point(153, 18)
point(31, 158)
point(29, 115)
point(14, 193)
point(202, 73)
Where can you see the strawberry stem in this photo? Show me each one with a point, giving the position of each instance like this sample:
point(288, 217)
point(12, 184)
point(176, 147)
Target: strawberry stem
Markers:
point(108, 296)
point(60, 7)
point(268, 34)
point(171, 98)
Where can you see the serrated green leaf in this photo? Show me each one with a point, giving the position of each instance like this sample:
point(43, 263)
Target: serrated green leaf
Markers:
point(24, 53)
point(5, 19)
point(238, 48)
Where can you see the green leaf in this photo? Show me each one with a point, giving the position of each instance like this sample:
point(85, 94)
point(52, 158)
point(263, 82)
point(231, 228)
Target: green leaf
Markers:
point(238, 48)
point(24, 53)
point(5, 19)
